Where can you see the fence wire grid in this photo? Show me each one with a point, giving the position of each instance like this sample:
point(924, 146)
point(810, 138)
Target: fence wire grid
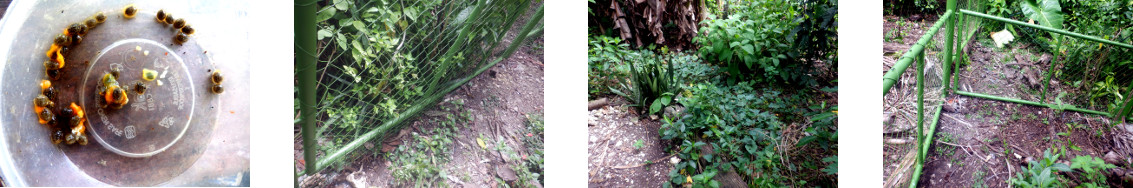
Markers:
point(393, 62)
point(900, 104)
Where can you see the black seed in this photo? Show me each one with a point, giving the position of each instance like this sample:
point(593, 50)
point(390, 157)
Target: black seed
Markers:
point(75, 40)
point(43, 101)
point(217, 78)
point(48, 116)
point(188, 29)
point(179, 23)
point(74, 29)
point(71, 139)
point(161, 15)
point(181, 38)
point(140, 87)
point(62, 40)
point(100, 17)
point(130, 11)
point(83, 29)
point(115, 72)
point(49, 92)
point(168, 18)
point(57, 136)
point(68, 111)
point(217, 89)
point(75, 121)
point(90, 23)
point(54, 74)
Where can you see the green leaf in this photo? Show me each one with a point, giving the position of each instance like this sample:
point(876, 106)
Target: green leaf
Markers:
point(1060, 167)
point(359, 25)
point(1046, 12)
point(353, 73)
point(411, 12)
point(340, 5)
point(324, 33)
point(325, 14)
point(358, 46)
point(656, 107)
point(806, 140)
point(749, 48)
point(666, 98)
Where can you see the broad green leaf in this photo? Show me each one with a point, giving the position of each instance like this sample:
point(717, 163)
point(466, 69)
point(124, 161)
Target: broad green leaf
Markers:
point(411, 12)
point(341, 39)
point(656, 107)
point(1060, 167)
point(324, 33)
point(325, 14)
point(340, 5)
point(806, 140)
point(1046, 12)
point(359, 25)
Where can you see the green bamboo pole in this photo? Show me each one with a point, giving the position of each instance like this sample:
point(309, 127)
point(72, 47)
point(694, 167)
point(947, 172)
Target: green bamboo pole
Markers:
point(427, 101)
point(963, 45)
point(1021, 101)
point(894, 73)
point(1048, 29)
point(950, 43)
point(538, 31)
point(305, 62)
point(922, 147)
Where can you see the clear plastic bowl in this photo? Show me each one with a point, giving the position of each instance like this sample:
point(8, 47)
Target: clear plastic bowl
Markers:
point(177, 133)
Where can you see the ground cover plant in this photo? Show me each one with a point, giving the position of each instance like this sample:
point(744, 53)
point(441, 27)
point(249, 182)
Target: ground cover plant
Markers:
point(750, 100)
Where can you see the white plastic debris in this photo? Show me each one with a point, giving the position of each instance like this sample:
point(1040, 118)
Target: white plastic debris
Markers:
point(1002, 38)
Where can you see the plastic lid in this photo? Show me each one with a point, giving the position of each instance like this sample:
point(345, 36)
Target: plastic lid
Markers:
point(151, 122)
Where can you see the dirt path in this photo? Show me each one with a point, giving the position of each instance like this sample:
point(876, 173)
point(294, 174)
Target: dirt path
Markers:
point(615, 158)
point(984, 142)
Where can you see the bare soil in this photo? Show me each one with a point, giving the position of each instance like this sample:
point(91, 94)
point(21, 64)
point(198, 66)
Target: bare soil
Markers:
point(982, 142)
point(615, 161)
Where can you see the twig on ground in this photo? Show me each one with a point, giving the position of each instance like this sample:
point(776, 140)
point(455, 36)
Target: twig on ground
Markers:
point(643, 164)
point(951, 144)
point(602, 162)
point(959, 120)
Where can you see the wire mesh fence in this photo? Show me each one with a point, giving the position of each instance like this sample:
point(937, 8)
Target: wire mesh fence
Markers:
point(900, 111)
point(383, 60)
point(1048, 67)
point(1090, 82)
point(1093, 84)
point(900, 104)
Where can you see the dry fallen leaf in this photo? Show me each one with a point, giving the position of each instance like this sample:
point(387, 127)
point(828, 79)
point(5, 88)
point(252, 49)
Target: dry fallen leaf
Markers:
point(481, 142)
